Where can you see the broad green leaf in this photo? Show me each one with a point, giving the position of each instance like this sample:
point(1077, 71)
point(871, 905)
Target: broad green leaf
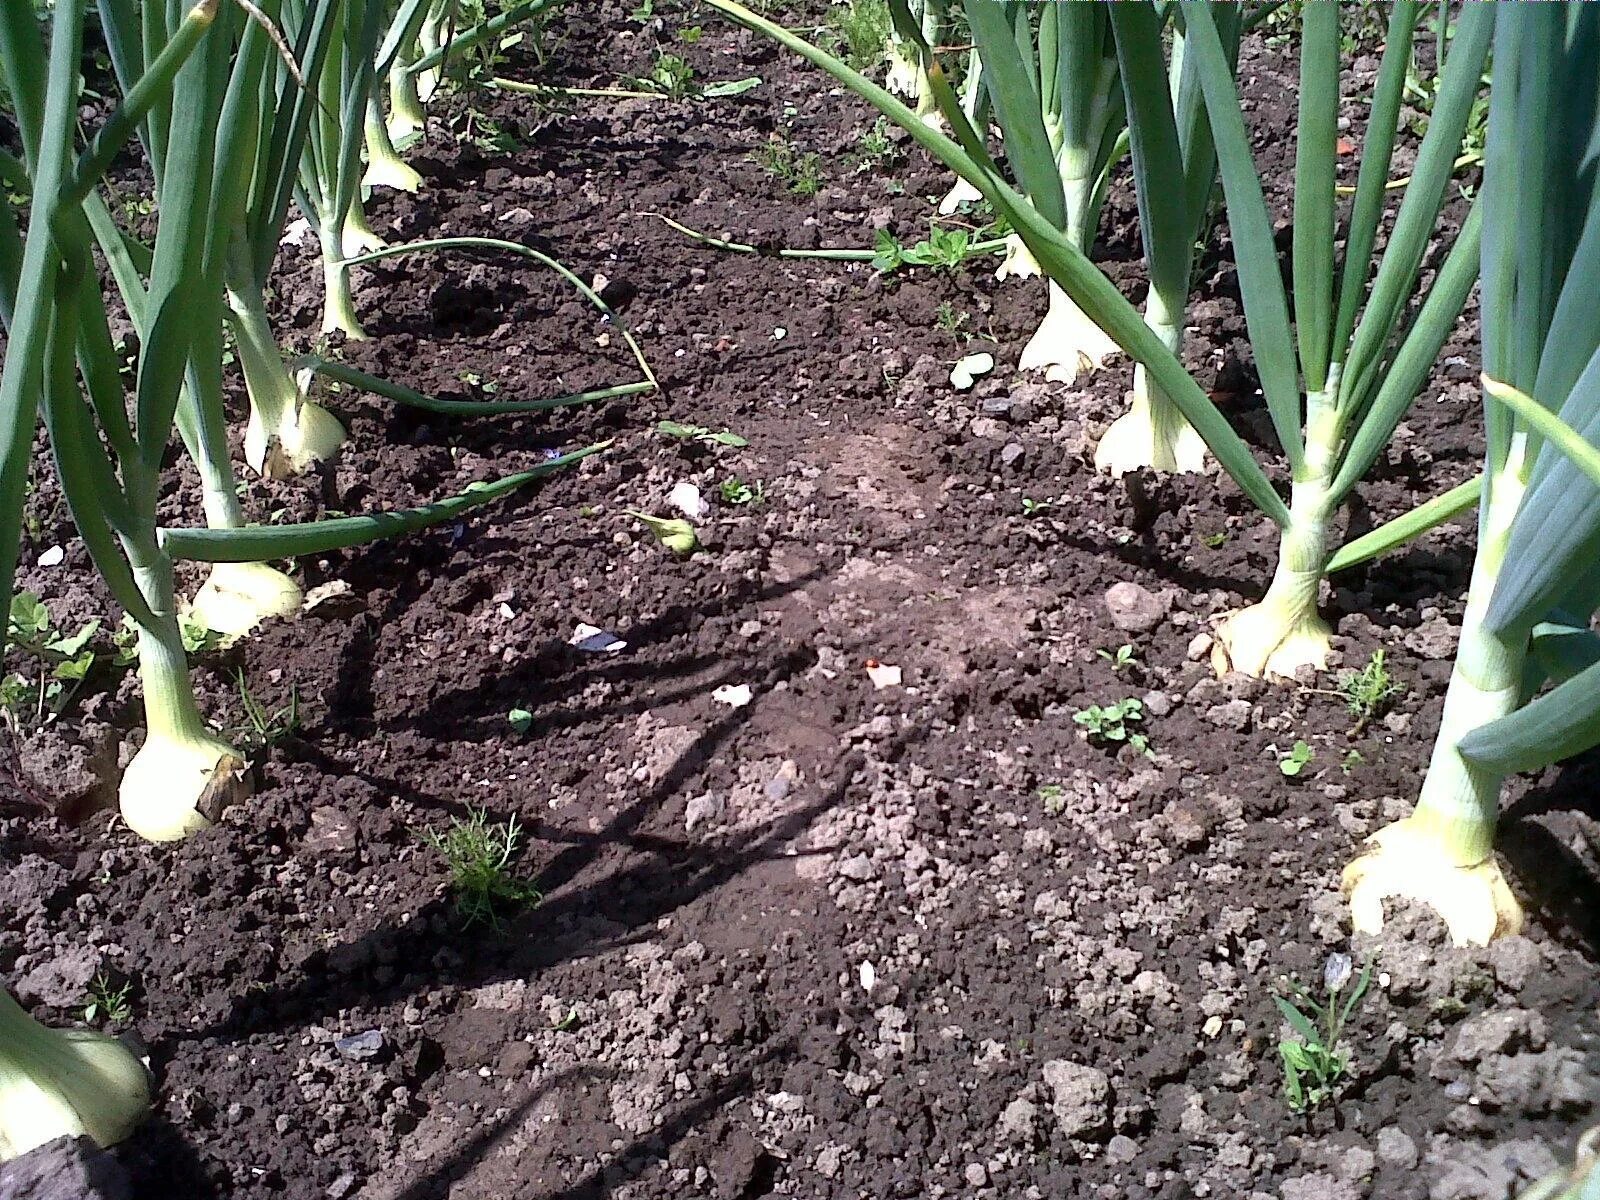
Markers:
point(1556, 534)
point(75, 668)
point(1562, 722)
point(257, 543)
point(69, 646)
point(1407, 527)
point(1315, 158)
point(29, 616)
point(1298, 1021)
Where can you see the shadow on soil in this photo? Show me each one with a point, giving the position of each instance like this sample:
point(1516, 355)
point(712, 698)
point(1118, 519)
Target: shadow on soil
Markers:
point(632, 877)
point(1560, 883)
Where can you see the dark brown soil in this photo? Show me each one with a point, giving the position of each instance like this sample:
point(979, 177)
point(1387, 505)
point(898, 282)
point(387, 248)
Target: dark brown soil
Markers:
point(912, 942)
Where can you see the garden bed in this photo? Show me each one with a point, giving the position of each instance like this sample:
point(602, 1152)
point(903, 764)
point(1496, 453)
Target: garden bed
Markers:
point(918, 941)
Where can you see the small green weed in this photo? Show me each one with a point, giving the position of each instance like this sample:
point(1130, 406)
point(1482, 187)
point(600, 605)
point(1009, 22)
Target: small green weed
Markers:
point(701, 434)
point(1112, 724)
point(943, 249)
point(1036, 508)
point(1055, 799)
point(64, 662)
point(670, 76)
point(737, 492)
point(483, 133)
point(478, 383)
point(567, 1023)
point(800, 173)
point(479, 856)
point(520, 720)
point(1292, 763)
point(261, 730)
point(1368, 692)
point(1314, 1063)
point(861, 30)
point(876, 150)
point(1121, 659)
point(1351, 760)
point(198, 637)
point(948, 318)
point(106, 1000)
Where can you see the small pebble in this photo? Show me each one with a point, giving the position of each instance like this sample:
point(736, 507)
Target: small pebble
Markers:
point(361, 1047)
point(1135, 609)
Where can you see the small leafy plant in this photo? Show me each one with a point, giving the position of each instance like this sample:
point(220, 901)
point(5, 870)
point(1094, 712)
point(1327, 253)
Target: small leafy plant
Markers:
point(1367, 693)
point(1292, 763)
point(875, 150)
point(1054, 797)
point(1314, 1063)
point(520, 720)
point(737, 492)
point(670, 76)
point(106, 1000)
point(1036, 508)
point(1113, 724)
point(1121, 659)
point(943, 249)
point(64, 662)
point(479, 856)
point(701, 434)
point(800, 173)
point(483, 133)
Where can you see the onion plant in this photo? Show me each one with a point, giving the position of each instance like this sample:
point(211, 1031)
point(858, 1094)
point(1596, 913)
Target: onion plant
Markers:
point(978, 108)
point(58, 1083)
point(287, 431)
point(1349, 346)
point(422, 37)
point(1524, 692)
point(236, 596)
point(1057, 96)
point(1171, 141)
point(329, 188)
point(1361, 344)
point(369, 41)
point(60, 359)
point(906, 76)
